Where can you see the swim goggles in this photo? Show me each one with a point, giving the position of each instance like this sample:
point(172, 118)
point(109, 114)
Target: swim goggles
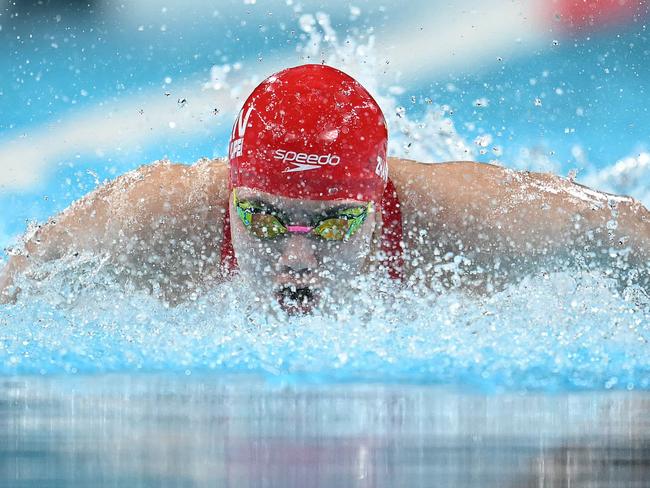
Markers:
point(264, 221)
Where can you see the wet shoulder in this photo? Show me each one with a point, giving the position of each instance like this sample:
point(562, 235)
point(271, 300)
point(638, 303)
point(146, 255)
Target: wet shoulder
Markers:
point(444, 182)
point(171, 188)
point(406, 171)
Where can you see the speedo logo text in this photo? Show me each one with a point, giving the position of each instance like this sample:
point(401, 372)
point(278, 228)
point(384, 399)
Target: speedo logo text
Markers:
point(304, 161)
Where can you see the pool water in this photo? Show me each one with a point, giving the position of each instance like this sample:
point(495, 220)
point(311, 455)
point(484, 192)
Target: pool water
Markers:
point(166, 430)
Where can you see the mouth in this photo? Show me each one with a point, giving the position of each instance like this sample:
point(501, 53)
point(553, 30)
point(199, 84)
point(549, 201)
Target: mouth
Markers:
point(297, 300)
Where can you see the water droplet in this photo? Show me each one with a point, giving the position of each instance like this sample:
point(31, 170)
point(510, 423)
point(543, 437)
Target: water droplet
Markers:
point(481, 102)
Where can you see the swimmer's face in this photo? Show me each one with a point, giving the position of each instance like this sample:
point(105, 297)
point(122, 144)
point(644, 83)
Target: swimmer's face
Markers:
point(298, 267)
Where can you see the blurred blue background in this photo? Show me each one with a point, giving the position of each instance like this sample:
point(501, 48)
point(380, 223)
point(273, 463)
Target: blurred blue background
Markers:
point(91, 89)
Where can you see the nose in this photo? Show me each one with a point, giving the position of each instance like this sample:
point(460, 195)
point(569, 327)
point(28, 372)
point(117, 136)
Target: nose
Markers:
point(298, 255)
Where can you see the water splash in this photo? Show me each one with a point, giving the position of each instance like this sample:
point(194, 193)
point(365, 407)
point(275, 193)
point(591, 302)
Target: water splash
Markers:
point(549, 332)
point(559, 331)
point(429, 136)
point(628, 176)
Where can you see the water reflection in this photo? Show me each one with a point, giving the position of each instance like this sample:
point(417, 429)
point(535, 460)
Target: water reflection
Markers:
point(150, 430)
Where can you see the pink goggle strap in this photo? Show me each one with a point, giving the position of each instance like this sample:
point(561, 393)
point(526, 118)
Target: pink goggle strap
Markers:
point(299, 229)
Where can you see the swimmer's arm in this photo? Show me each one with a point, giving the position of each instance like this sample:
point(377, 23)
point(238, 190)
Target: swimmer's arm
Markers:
point(489, 211)
point(162, 212)
point(76, 229)
point(558, 215)
point(8, 273)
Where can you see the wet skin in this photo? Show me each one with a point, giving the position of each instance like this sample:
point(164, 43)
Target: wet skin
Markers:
point(299, 268)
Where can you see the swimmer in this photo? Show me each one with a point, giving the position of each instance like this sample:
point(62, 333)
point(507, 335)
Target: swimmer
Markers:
point(307, 200)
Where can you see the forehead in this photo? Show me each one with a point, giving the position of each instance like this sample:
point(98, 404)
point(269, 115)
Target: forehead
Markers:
point(293, 205)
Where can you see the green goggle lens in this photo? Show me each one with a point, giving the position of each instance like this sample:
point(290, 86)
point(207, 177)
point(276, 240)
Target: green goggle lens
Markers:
point(332, 229)
point(343, 225)
point(266, 226)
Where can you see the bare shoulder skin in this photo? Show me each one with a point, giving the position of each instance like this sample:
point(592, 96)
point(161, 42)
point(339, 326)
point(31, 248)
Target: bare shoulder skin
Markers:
point(506, 223)
point(161, 226)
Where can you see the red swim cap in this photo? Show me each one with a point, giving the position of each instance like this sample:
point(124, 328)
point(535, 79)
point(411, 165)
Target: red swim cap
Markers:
point(310, 132)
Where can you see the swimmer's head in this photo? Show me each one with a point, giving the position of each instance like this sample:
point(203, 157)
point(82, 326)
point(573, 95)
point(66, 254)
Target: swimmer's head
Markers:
point(307, 174)
point(310, 132)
